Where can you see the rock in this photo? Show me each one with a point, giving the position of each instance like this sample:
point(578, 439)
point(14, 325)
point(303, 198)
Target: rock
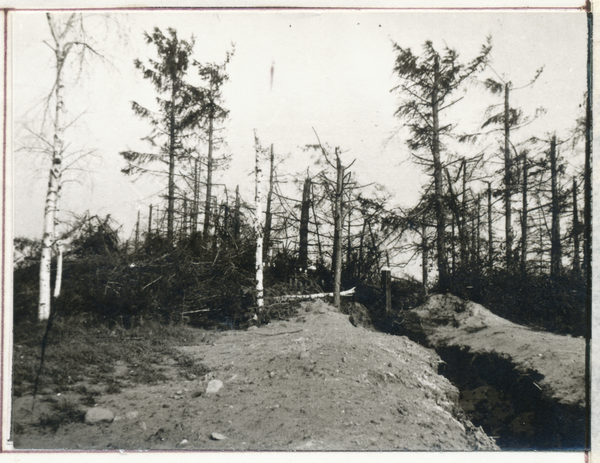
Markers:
point(271, 374)
point(217, 436)
point(303, 355)
point(131, 415)
point(98, 415)
point(214, 386)
point(184, 442)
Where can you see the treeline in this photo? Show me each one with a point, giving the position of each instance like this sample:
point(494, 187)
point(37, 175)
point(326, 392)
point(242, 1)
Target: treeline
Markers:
point(490, 221)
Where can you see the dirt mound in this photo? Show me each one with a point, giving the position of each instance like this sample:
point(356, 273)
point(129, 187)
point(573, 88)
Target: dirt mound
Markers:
point(558, 361)
point(314, 382)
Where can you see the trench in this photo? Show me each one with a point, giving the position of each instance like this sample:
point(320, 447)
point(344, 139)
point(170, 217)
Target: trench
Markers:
point(507, 403)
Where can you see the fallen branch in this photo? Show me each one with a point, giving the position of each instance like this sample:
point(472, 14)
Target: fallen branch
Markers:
point(313, 296)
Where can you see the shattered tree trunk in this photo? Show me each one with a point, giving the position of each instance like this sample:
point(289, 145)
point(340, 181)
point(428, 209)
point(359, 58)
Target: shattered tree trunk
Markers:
point(304, 218)
point(555, 246)
point(462, 231)
point(196, 204)
point(337, 237)
point(425, 256)
point(209, 169)
point(236, 214)
point(507, 182)
point(490, 231)
point(524, 217)
point(268, 214)
point(149, 222)
point(171, 194)
point(576, 230)
point(137, 233)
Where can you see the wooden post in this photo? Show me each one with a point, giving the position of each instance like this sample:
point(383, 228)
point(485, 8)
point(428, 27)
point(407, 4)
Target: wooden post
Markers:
point(386, 283)
point(150, 221)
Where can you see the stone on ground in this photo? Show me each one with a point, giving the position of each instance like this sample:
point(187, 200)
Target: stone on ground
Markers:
point(98, 415)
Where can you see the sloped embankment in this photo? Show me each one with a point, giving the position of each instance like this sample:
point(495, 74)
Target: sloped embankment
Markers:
point(314, 382)
point(528, 386)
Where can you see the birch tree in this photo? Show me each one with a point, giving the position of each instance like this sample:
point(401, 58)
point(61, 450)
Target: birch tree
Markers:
point(70, 44)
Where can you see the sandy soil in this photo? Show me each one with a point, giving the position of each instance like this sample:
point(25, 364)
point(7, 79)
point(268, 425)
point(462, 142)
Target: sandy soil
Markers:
point(559, 361)
point(315, 382)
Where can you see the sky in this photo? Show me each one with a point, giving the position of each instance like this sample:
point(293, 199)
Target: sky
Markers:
point(333, 72)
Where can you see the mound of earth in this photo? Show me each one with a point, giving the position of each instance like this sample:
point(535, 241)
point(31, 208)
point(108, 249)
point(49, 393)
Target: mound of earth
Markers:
point(314, 382)
point(558, 361)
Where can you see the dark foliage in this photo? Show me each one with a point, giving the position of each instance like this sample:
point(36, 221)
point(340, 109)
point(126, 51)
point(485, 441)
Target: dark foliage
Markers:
point(555, 304)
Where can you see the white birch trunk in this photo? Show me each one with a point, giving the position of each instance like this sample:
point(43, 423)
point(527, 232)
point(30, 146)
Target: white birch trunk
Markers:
point(258, 230)
point(59, 267)
point(55, 172)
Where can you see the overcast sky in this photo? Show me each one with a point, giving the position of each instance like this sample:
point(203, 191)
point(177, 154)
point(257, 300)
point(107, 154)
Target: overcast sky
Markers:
point(332, 72)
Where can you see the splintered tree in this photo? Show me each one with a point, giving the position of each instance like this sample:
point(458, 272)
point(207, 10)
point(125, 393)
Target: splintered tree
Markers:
point(167, 75)
point(428, 83)
point(70, 44)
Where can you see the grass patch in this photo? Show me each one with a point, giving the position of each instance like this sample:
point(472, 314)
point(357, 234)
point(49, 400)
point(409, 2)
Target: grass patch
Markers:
point(63, 412)
point(78, 351)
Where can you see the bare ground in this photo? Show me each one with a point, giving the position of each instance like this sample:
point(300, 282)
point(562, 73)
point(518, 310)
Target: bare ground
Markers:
point(314, 382)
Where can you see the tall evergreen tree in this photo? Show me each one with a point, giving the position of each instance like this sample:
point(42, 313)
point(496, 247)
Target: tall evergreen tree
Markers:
point(167, 74)
point(427, 88)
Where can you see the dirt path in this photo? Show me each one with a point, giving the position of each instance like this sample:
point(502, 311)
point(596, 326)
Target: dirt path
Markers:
point(311, 383)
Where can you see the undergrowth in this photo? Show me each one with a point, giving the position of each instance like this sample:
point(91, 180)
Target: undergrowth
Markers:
point(79, 351)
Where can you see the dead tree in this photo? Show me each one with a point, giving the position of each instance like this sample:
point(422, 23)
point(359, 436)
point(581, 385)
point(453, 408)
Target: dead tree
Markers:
point(304, 220)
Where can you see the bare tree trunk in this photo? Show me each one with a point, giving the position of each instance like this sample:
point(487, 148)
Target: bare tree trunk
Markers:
point(258, 230)
point(236, 214)
point(59, 269)
point(507, 182)
point(425, 256)
point(337, 237)
point(196, 203)
point(452, 244)
point(54, 183)
point(137, 233)
point(209, 169)
point(184, 219)
point(478, 237)
point(587, 191)
point(556, 252)
point(217, 220)
point(171, 194)
point(462, 230)
point(442, 258)
point(490, 232)
point(576, 230)
point(312, 203)
point(150, 222)
point(268, 214)
point(304, 219)
point(524, 217)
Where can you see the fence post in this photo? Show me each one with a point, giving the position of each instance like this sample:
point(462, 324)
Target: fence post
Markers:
point(386, 283)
